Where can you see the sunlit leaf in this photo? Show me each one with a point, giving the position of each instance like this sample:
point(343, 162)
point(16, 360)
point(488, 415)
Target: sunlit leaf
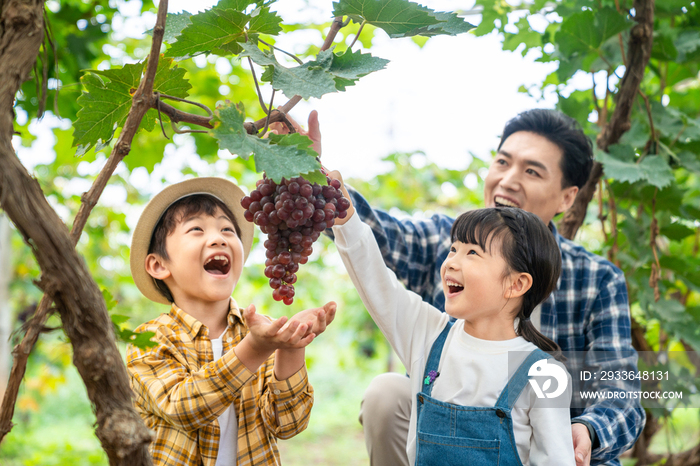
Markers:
point(587, 30)
point(107, 98)
point(279, 156)
point(220, 29)
point(401, 18)
point(652, 169)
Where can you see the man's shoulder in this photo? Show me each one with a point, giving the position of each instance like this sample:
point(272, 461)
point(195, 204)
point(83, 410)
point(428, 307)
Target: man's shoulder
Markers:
point(576, 257)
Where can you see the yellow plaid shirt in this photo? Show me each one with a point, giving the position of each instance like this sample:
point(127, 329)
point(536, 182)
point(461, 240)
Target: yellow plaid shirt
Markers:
point(180, 391)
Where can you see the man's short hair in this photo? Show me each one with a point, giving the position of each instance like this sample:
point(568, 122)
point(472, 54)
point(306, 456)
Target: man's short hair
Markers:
point(565, 133)
point(176, 213)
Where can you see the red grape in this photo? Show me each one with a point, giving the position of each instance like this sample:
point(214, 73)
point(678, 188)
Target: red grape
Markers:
point(293, 214)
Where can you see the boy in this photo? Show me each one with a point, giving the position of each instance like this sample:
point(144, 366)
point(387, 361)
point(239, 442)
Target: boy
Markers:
point(223, 383)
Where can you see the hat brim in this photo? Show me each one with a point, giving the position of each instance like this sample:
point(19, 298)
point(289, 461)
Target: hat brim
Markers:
point(223, 189)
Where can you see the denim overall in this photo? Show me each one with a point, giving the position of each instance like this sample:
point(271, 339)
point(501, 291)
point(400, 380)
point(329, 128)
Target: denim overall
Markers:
point(451, 435)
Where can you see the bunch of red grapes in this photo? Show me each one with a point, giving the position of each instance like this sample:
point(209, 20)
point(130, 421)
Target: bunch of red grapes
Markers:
point(293, 214)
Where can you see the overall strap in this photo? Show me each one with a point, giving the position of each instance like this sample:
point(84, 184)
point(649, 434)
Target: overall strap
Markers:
point(433, 362)
point(519, 380)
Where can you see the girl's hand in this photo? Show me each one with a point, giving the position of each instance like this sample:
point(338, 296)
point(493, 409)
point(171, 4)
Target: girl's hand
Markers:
point(268, 336)
point(335, 174)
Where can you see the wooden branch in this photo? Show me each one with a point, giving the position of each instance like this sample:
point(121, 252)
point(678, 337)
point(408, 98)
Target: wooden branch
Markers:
point(65, 278)
point(639, 51)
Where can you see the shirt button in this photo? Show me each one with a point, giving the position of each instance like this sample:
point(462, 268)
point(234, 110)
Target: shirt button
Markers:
point(276, 392)
point(229, 339)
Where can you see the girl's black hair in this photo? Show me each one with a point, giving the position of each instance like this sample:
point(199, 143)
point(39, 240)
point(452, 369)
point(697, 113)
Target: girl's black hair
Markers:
point(527, 246)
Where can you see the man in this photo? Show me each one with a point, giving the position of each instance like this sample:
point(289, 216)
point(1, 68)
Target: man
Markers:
point(544, 158)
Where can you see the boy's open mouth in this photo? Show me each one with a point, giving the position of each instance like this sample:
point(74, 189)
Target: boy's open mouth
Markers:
point(503, 202)
point(454, 287)
point(217, 265)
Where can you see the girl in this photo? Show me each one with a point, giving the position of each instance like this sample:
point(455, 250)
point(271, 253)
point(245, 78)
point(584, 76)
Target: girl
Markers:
point(472, 403)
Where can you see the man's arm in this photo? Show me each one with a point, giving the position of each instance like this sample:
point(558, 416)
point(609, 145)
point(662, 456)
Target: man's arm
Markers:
point(617, 422)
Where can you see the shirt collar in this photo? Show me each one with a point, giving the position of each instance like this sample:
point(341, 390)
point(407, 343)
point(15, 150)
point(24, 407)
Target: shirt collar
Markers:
point(556, 234)
point(193, 327)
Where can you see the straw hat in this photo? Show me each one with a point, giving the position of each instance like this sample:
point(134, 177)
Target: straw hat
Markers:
point(222, 189)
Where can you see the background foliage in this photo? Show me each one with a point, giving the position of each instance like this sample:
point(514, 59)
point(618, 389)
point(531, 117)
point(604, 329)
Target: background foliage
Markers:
point(645, 218)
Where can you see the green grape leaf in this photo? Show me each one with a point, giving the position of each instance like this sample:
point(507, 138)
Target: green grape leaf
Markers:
point(279, 156)
point(118, 319)
point(311, 79)
point(670, 310)
point(260, 57)
point(491, 12)
point(450, 24)
point(104, 104)
point(353, 65)
point(264, 21)
point(221, 29)
point(687, 43)
point(174, 24)
point(676, 231)
point(106, 101)
point(140, 340)
point(652, 169)
point(401, 18)
point(657, 171)
point(110, 302)
point(208, 31)
point(170, 79)
point(585, 31)
point(668, 121)
point(690, 161)
point(303, 143)
point(295, 139)
point(328, 73)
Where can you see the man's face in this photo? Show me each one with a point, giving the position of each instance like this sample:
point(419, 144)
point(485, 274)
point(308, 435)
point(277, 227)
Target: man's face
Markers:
point(526, 173)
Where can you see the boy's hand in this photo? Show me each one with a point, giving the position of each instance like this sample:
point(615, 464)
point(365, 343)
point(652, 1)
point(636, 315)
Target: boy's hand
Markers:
point(314, 132)
point(316, 319)
point(268, 336)
point(335, 174)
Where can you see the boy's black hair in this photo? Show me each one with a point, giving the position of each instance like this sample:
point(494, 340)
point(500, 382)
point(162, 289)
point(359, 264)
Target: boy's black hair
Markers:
point(527, 246)
point(176, 213)
point(565, 133)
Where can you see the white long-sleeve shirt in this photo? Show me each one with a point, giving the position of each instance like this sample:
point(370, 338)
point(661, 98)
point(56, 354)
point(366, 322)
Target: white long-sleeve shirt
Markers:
point(473, 372)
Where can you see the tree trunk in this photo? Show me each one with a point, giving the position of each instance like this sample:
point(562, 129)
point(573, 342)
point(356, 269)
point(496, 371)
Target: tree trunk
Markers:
point(638, 54)
point(65, 277)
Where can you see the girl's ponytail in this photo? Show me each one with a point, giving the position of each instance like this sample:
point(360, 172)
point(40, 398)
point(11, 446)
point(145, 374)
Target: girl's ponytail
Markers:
point(527, 330)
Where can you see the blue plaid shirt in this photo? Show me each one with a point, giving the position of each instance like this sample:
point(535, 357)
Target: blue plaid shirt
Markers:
point(589, 312)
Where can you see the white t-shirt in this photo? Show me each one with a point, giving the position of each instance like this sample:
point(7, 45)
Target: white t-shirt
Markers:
point(473, 372)
point(228, 424)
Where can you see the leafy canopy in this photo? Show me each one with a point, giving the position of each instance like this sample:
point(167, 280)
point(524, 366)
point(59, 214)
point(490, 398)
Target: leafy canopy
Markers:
point(106, 101)
point(234, 28)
